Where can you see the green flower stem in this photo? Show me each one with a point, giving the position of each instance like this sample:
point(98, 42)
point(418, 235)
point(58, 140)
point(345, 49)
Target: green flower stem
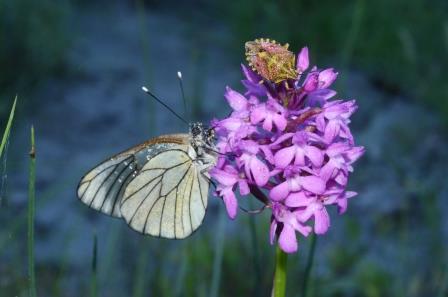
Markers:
point(280, 273)
point(309, 265)
point(31, 212)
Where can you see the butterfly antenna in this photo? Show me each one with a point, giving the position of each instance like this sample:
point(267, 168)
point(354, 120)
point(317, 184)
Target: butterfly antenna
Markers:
point(181, 84)
point(145, 89)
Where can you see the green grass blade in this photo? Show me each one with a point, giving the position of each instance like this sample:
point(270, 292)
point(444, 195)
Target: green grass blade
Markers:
point(183, 270)
point(280, 274)
point(31, 212)
point(8, 127)
point(256, 253)
point(94, 283)
point(147, 63)
point(309, 265)
point(353, 32)
point(142, 277)
point(217, 261)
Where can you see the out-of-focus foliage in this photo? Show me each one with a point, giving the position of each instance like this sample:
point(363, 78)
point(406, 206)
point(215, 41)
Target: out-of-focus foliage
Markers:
point(402, 45)
point(34, 38)
point(390, 55)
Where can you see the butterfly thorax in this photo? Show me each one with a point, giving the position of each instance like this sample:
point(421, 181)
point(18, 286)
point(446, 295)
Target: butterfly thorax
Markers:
point(202, 140)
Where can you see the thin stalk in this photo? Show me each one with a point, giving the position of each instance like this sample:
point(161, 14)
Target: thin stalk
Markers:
point(146, 46)
point(443, 291)
point(182, 272)
point(57, 289)
point(256, 253)
point(309, 265)
point(217, 261)
point(8, 127)
point(31, 212)
point(142, 277)
point(94, 282)
point(279, 289)
point(353, 33)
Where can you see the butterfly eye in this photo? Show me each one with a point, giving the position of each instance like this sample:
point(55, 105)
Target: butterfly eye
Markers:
point(196, 129)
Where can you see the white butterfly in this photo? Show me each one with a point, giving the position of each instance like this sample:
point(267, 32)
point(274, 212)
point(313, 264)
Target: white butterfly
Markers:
point(159, 187)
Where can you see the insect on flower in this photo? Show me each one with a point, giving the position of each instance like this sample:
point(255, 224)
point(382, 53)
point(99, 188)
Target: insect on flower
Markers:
point(271, 60)
point(291, 145)
point(159, 187)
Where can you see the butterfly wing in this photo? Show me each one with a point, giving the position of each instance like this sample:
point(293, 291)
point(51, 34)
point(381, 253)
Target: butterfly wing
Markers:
point(103, 187)
point(168, 198)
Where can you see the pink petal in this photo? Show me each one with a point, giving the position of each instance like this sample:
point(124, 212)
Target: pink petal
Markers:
point(247, 171)
point(320, 122)
point(342, 205)
point(297, 199)
point(311, 82)
point(327, 77)
point(319, 96)
point(313, 184)
point(223, 177)
point(287, 239)
point(237, 101)
point(250, 146)
point(350, 194)
point(341, 178)
point(321, 221)
point(331, 130)
point(280, 122)
point(272, 231)
point(283, 157)
point(244, 188)
point(342, 202)
point(304, 230)
point(250, 75)
point(355, 153)
point(231, 203)
point(282, 138)
point(267, 153)
point(315, 155)
point(299, 157)
point(267, 124)
point(307, 213)
point(279, 192)
point(303, 60)
point(336, 149)
point(327, 171)
point(231, 124)
point(260, 172)
point(258, 114)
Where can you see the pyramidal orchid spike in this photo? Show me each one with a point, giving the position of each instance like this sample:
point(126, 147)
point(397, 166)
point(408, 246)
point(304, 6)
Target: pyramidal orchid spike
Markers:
point(301, 164)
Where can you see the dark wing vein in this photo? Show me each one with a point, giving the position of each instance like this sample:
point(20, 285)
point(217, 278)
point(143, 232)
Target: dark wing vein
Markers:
point(144, 199)
point(189, 205)
point(123, 183)
point(164, 196)
point(142, 187)
point(200, 189)
point(91, 180)
point(165, 168)
point(111, 185)
point(152, 206)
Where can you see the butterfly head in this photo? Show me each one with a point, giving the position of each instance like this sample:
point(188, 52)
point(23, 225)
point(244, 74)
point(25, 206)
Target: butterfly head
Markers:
point(202, 137)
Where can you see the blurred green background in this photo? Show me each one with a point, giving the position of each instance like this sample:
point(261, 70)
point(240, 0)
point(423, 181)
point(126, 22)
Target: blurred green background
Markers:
point(77, 67)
